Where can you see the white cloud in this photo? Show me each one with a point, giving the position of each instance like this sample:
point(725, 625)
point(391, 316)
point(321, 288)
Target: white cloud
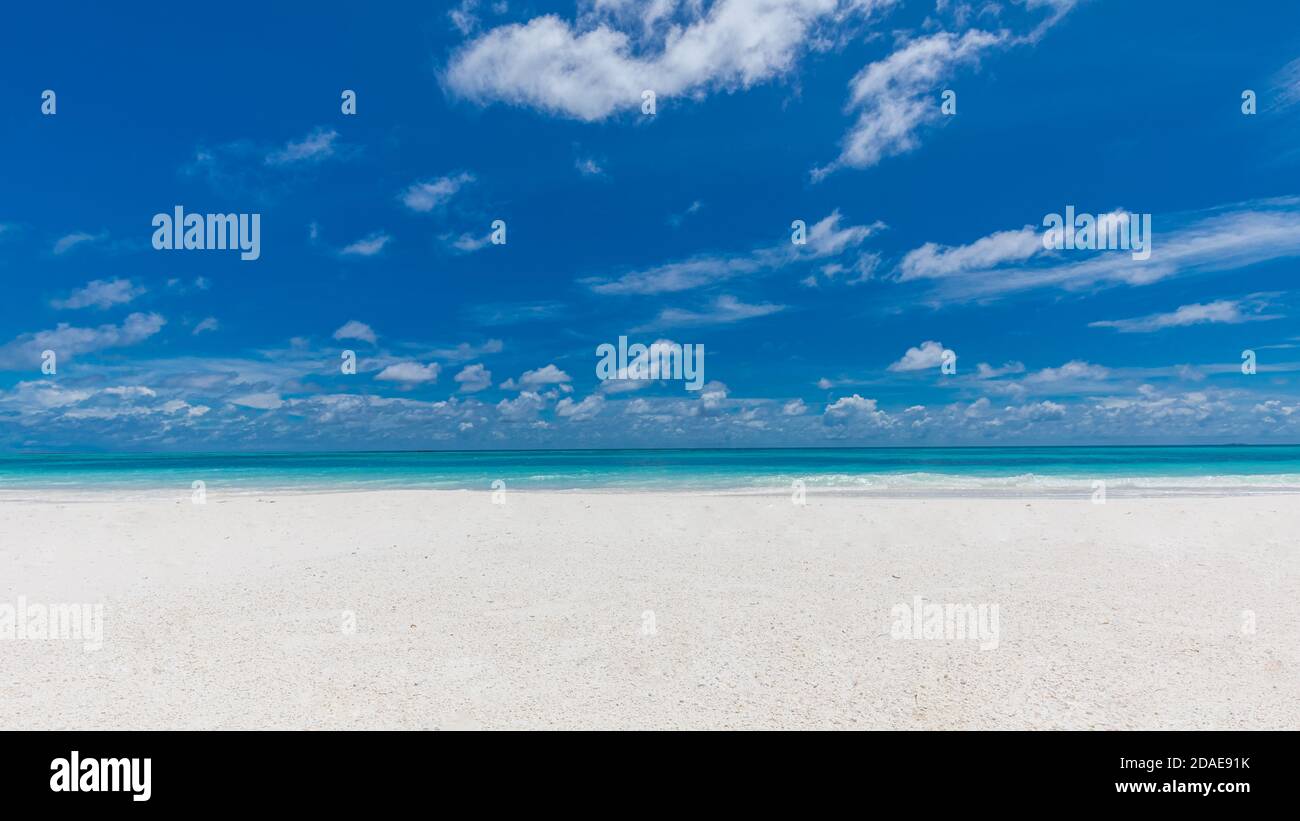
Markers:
point(599, 65)
point(855, 409)
point(1219, 239)
point(896, 96)
point(549, 375)
point(522, 408)
point(209, 324)
point(825, 238)
point(474, 378)
point(676, 220)
point(588, 167)
point(986, 371)
point(67, 340)
point(259, 401)
point(369, 246)
point(428, 195)
point(725, 310)
point(465, 351)
point(467, 243)
point(1226, 311)
point(410, 372)
point(316, 146)
point(932, 260)
point(463, 16)
point(352, 329)
point(795, 407)
point(69, 241)
point(928, 355)
point(100, 293)
point(1075, 369)
point(1286, 84)
point(580, 411)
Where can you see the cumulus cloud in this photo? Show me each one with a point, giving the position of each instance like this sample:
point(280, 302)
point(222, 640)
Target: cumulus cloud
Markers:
point(68, 340)
point(580, 411)
point(928, 355)
point(549, 375)
point(855, 409)
point(474, 378)
point(598, 65)
point(352, 329)
point(410, 372)
point(522, 408)
point(100, 293)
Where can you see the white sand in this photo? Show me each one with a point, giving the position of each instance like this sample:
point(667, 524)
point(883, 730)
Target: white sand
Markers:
point(530, 614)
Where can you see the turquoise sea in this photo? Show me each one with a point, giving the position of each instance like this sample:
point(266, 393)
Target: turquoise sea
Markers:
point(912, 470)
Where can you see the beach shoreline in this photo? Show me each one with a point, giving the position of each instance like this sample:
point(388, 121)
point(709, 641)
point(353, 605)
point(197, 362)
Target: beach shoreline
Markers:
point(435, 609)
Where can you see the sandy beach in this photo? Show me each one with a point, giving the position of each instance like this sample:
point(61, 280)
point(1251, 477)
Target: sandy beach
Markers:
point(442, 609)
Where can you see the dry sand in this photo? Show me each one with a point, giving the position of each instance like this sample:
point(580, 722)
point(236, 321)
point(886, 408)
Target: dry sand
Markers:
point(652, 610)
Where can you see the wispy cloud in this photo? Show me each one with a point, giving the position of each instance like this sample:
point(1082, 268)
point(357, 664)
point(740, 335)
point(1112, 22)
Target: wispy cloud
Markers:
point(467, 243)
point(100, 293)
point(69, 241)
point(896, 96)
point(825, 238)
point(1224, 311)
point(723, 311)
point(430, 194)
point(367, 247)
point(934, 261)
point(316, 146)
point(515, 313)
point(1286, 84)
point(205, 326)
point(589, 167)
point(676, 220)
point(1220, 239)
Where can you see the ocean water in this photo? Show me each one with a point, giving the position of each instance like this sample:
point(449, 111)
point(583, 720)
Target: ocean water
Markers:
point(889, 471)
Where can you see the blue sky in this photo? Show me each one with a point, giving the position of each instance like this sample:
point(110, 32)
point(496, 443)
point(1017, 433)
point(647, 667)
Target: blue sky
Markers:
point(924, 228)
